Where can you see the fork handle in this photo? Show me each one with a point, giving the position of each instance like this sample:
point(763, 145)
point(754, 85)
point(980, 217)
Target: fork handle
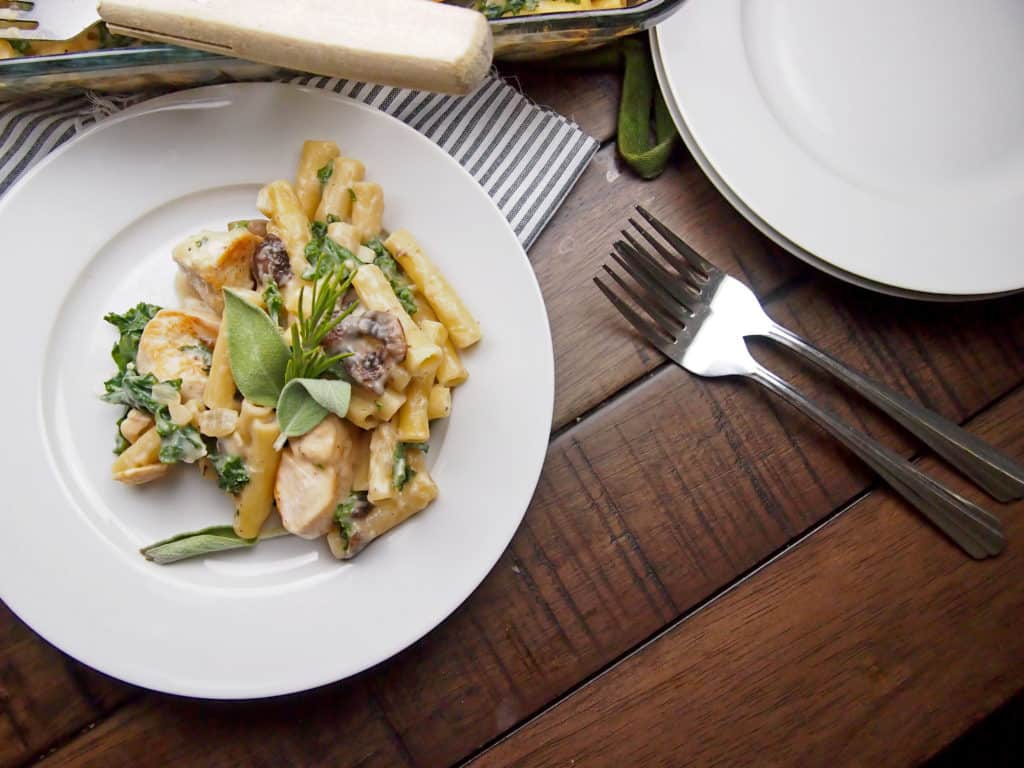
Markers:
point(976, 531)
point(394, 42)
point(996, 473)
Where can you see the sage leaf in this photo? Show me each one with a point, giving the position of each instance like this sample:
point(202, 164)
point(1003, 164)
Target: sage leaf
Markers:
point(257, 353)
point(305, 402)
point(206, 541)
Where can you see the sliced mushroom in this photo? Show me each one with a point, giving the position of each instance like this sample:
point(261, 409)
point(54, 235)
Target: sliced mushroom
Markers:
point(377, 343)
point(270, 263)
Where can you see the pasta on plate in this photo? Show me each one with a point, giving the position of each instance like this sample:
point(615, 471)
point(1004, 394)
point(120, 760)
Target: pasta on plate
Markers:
point(302, 371)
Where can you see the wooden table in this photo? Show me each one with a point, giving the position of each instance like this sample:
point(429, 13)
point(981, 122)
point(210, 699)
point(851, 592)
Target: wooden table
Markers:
point(702, 578)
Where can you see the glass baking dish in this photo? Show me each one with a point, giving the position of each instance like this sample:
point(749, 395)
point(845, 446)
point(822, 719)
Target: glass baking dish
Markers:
point(160, 66)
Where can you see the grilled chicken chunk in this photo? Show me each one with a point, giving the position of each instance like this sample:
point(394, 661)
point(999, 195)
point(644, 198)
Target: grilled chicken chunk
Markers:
point(213, 261)
point(176, 345)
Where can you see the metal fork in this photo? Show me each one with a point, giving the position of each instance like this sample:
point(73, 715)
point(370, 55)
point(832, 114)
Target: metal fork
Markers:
point(680, 322)
point(994, 472)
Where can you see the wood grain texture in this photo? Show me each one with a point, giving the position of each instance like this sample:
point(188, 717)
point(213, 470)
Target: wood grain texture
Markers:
point(590, 366)
point(872, 643)
point(645, 509)
point(40, 702)
point(591, 99)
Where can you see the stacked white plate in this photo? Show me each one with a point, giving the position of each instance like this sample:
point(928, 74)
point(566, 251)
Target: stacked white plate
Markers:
point(881, 142)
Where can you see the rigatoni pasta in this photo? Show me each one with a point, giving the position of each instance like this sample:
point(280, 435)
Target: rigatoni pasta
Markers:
point(303, 370)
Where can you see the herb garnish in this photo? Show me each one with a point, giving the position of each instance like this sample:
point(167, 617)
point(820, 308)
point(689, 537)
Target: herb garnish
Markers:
point(24, 47)
point(323, 254)
point(393, 272)
point(401, 472)
point(231, 473)
point(130, 325)
point(308, 359)
point(274, 301)
point(325, 173)
point(354, 505)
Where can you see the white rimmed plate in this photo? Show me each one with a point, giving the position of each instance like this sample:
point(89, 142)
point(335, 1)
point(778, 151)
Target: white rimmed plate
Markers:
point(89, 230)
point(858, 137)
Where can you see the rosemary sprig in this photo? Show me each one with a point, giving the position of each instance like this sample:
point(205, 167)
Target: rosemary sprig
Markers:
point(308, 359)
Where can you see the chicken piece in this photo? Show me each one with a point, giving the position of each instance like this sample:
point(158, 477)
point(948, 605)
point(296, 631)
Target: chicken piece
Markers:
point(213, 261)
point(315, 472)
point(172, 347)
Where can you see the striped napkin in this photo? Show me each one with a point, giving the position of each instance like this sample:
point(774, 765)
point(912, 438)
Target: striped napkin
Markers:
point(525, 157)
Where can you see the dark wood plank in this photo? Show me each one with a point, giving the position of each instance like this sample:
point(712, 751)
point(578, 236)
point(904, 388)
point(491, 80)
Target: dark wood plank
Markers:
point(40, 701)
point(590, 366)
point(644, 509)
point(589, 98)
point(306, 730)
point(872, 643)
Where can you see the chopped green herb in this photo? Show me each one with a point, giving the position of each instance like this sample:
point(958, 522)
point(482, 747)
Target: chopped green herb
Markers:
point(421, 447)
point(274, 301)
point(354, 505)
point(201, 242)
point(203, 353)
point(495, 10)
point(331, 218)
point(178, 442)
point(231, 473)
point(130, 325)
point(243, 224)
point(401, 472)
point(24, 47)
point(120, 442)
point(352, 195)
point(133, 389)
point(324, 174)
point(393, 272)
point(323, 254)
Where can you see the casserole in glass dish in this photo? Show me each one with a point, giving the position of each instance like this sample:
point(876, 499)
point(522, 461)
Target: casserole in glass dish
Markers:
point(518, 37)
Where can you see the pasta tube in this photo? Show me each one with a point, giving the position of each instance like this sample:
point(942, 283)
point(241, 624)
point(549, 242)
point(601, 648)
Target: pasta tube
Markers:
point(315, 155)
point(439, 402)
point(463, 329)
point(367, 209)
point(257, 430)
point(220, 384)
point(375, 292)
point(383, 442)
point(418, 493)
point(451, 372)
point(281, 204)
point(336, 199)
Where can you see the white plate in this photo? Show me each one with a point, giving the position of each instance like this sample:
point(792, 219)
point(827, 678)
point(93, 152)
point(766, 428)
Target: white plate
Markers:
point(89, 230)
point(763, 227)
point(886, 141)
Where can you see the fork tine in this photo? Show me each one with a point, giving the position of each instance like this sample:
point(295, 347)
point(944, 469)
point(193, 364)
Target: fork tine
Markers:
point(15, 14)
point(656, 275)
point(664, 319)
point(698, 261)
point(683, 271)
point(655, 292)
point(645, 329)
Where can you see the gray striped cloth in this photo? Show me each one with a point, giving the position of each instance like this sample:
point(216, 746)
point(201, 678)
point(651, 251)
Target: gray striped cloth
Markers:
point(525, 157)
